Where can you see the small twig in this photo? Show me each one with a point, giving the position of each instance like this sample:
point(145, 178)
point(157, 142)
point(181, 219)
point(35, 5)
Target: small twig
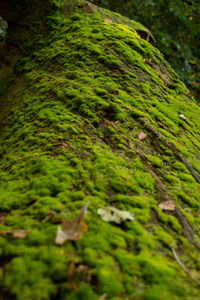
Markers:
point(183, 267)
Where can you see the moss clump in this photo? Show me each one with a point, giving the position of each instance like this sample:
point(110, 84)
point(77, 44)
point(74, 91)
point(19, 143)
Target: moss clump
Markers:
point(155, 161)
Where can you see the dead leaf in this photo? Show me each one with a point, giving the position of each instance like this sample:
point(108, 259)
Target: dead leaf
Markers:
point(182, 117)
point(147, 60)
point(83, 273)
point(63, 145)
point(71, 274)
point(18, 233)
point(107, 20)
point(82, 268)
point(141, 135)
point(190, 95)
point(111, 214)
point(72, 229)
point(167, 205)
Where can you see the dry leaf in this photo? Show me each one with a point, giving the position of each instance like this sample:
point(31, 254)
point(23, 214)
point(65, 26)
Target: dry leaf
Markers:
point(182, 117)
point(111, 214)
point(72, 229)
point(71, 274)
point(107, 20)
point(167, 205)
point(18, 233)
point(82, 268)
point(63, 145)
point(190, 95)
point(141, 135)
point(83, 273)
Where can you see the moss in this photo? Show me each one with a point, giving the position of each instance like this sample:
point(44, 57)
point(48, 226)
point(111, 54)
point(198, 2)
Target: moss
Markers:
point(180, 166)
point(83, 292)
point(167, 219)
point(155, 161)
point(108, 278)
point(164, 237)
point(25, 272)
point(186, 177)
point(77, 101)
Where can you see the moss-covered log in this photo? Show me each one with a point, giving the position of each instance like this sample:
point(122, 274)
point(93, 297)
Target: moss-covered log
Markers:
point(76, 91)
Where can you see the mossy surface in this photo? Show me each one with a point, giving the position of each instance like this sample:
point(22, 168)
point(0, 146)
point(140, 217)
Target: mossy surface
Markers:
point(75, 106)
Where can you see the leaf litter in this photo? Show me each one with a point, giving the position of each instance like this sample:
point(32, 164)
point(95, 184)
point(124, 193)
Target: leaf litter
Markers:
point(17, 233)
point(72, 230)
point(167, 205)
point(142, 136)
point(112, 214)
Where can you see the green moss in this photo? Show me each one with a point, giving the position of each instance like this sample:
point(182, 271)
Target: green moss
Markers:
point(186, 177)
point(25, 273)
point(70, 135)
point(84, 292)
point(167, 219)
point(164, 237)
point(155, 161)
point(180, 166)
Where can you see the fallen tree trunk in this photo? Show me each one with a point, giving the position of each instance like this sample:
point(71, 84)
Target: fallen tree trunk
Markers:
point(91, 112)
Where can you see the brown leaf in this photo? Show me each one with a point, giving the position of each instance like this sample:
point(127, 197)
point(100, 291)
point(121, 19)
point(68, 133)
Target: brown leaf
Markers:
point(107, 20)
point(167, 205)
point(71, 274)
point(190, 95)
point(82, 268)
point(63, 145)
point(147, 60)
point(72, 229)
point(18, 233)
point(83, 273)
point(141, 135)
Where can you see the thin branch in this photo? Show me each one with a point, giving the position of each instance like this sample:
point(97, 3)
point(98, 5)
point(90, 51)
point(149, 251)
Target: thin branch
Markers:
point(183, 267)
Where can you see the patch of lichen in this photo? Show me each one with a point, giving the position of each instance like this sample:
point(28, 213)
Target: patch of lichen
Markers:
point(71, 136)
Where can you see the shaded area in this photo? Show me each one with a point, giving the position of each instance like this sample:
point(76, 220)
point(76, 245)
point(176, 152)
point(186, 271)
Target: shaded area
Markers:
point(175, 25)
